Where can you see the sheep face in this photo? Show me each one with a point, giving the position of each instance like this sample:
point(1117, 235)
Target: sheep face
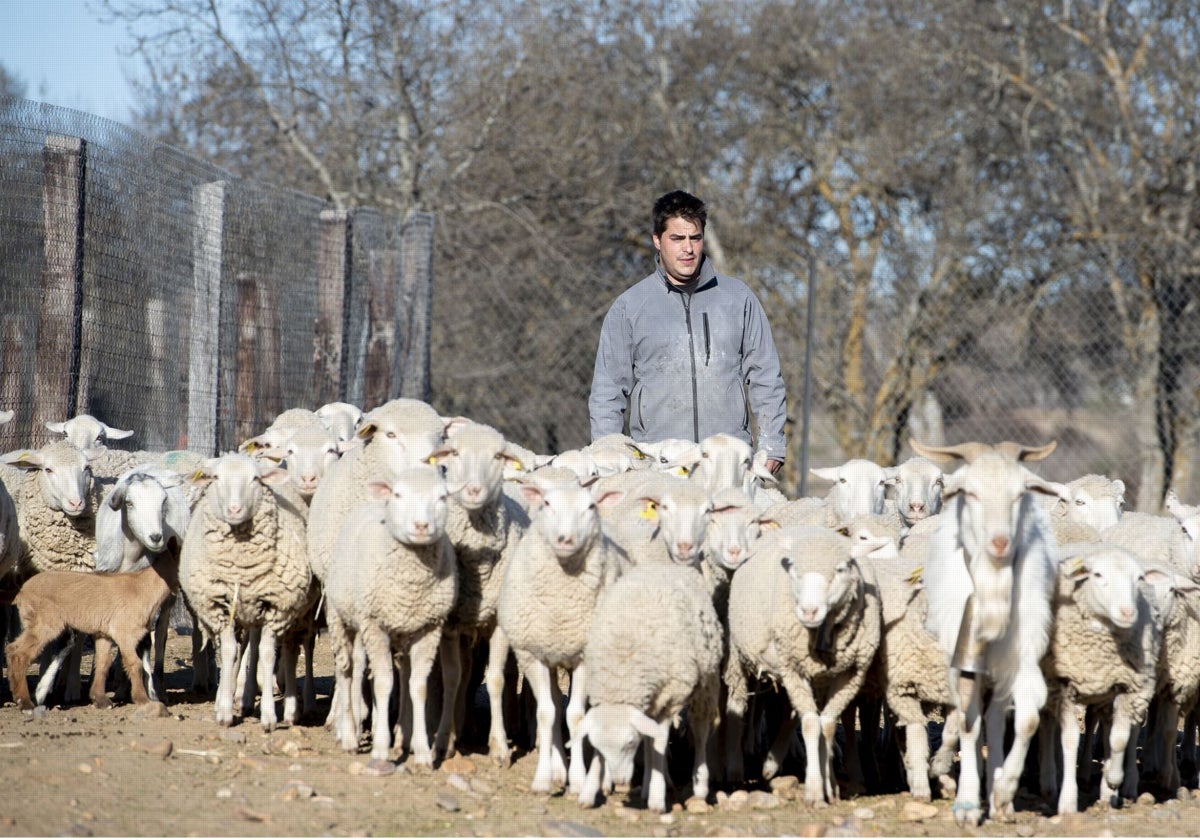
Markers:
point(402, 444)
point(308, 455)
point(1107, 585)
point(818, 593)
point(340, 418)
point(1096, 501)
point(236, 484)
point(567, 516)
point(1188, 517)
point(859, 487)
point(475, 465)
point(918, 484)
point(415, 505)
point(616, 731)
point(84, 431)
point(683, 514)
point(724, 462)
point(144, 502)
point(733, 527)
point(64, 477)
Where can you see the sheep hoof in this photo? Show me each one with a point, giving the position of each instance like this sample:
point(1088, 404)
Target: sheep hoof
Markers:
point(967, 813)
point(501, 757)
point(27, 706)
point(102, 702)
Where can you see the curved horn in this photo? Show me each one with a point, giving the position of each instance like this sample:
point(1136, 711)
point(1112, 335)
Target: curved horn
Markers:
point(1020, 452)
point(967, 451)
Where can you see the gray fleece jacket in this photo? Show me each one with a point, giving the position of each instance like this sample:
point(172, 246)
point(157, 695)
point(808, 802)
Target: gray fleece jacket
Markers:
point(686, 360)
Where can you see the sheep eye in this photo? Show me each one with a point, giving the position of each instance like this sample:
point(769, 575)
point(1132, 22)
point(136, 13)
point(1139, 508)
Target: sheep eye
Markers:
point(1080, 503)
point(842, 481)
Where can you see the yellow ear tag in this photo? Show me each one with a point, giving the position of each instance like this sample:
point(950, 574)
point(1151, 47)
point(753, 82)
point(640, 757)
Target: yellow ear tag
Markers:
point(683, 471)
point(650, 511)
point(517, 465)
point(1074, 566)
point(432, 459)
point(197, 475)
point(914, 577)
point(250, 446)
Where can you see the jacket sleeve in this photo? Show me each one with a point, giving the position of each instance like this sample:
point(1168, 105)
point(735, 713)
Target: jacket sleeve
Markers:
point(764, 381)
point(612, 378)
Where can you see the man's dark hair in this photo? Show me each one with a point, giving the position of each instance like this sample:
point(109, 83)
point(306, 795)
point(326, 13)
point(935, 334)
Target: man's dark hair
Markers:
point(681, 205)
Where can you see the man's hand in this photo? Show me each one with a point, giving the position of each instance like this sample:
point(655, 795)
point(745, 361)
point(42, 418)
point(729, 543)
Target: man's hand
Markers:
point(774, 466)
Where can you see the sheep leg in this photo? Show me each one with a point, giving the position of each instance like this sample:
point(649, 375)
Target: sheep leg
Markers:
point(498, 648)
point(342, 640)
point(74, 688)
point(421, 655)
point(1114, 785)
point(1048, 729)
point(916, 755)
point(403, 702)
point(378, 648)
point(201, 646)
point(856, 780)
point(357, 698)
point(1091, 722)
point(1068, 723)
point(450, 651)
point(576, 708)
point(736, 694)
point(248, 672)
point(20, 653)
point(995, 726)
point(133, 665)
point(540, 678)
point(781, 745)
point(310, 687)
point(266, 679)
point(158, 677)
point(701, 715)
point(1187, 764)
point(50, 670)
point(590, 795)
point(290, 651)
point(967, 807)
point(227, 675)
point(656, 800)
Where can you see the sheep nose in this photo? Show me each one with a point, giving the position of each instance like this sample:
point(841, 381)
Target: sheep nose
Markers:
point(733, 552)
point(565, 540)
point(684, 549)
point(1126, 613)
point(474, 491)
point(999, 546)
point(234, 509)
point(155, 538)
point(420, 528)
point(808, 613)
point(916, 507)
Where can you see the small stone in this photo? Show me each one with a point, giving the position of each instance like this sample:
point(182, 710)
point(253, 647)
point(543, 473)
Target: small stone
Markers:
point(224, 793)
point(761, 800)
point(38, 713)
point(379, 767)
point(356, 768)
point(567, 828)
point(1146, 799)
point(696, 805)
point(252, 763)
point(250, 816)
point(161, 747)
point(627, 814)
point(737, 800)
point(7, 822)
point(781, 783)
point(1196, 793)
point(722, 798)
point(1183, 794)
point(864, 814)
point(151, 711)
point(447, 801)
point(458, 783)
point(291, 749)
point(458, 764)
point(87, 816)
point(481, 786)
point(812, 830)
point(667, 819)
point(85, 769)
point(918, 811)
point(78, 830)
point(538, 810)
point(232, 736)
point(294, 789)
point(1025, 830)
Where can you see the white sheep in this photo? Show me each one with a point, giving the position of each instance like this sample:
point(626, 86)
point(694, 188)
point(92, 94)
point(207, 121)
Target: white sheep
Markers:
point(1096, 501)
point(989, 578)
point(859, 486)
point(145, 512)
point(341, 418)
point(112, 608)
point(917, 485)
point(642, 674)
point(661, 518)
point(484, 526)
point(244, 565)
point(85, 432)
point(547, 598)
point(805, 612)
point(392, 581)
point(1188, 517)
point(1103, 651)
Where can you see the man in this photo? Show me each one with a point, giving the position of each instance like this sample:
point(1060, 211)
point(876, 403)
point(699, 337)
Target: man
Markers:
point(686, 348)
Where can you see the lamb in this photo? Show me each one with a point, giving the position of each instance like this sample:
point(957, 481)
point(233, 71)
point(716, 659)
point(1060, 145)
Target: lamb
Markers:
point(1103, 650)
point(86, 432)
point(244, 565)
point(804, 611)
point(484, 526)
point(393, 581)
point(989, 578)
point(859, 486)
point(662, 518)
point(146, 510)
point(917, 484)
point(340, 418)
point(549, 592)
point(641, 675)
point(113, 608)
point(1096, 501)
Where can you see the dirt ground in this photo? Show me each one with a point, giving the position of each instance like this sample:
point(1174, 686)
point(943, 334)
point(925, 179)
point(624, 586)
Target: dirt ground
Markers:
point(81, 771)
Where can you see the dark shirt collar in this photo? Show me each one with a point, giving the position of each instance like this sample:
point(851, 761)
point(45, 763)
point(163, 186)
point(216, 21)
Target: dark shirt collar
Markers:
point(707, 275)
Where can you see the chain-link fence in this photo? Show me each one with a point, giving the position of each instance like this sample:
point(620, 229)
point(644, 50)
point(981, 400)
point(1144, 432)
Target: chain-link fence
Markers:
point(156, 292)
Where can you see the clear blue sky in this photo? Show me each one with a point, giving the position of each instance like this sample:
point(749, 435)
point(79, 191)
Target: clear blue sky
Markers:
point(67, 57)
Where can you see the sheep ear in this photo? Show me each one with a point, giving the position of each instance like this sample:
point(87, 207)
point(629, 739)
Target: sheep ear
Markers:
point(441, 454)
point(1051, 488)
point(59, 428)
point(270, 473)
point(117, 434)
point(769, 523)
point(24, 459)
point(533, 494)
point(379, 489)
point(827, 473)
point(366, 430)
point(951, 486)
point(251, 445)
point(117, 497)
point(609, 499)
point(1119, 489)
point(1076, 569)
point(863, 548)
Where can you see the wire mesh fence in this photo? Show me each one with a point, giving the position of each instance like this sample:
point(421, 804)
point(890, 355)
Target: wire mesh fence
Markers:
point(160, 294)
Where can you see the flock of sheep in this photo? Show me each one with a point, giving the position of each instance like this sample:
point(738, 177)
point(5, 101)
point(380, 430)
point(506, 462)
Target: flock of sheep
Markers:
point(670, 589)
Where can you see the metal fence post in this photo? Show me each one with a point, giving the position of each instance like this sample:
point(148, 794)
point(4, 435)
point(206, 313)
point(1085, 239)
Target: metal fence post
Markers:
point(415, 318)
point(208, 205)
point(333, 298)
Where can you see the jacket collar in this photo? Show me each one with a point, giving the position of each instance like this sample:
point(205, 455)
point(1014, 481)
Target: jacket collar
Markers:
point(707, 278)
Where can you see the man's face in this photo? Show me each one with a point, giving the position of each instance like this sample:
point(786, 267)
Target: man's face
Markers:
point(680, 248)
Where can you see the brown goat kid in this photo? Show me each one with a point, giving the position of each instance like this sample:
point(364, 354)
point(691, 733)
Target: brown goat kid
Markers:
point(113, 608)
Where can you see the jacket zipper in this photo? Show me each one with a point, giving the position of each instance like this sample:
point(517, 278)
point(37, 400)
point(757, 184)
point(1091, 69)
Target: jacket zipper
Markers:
point(687, 315)
point(707, 344)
